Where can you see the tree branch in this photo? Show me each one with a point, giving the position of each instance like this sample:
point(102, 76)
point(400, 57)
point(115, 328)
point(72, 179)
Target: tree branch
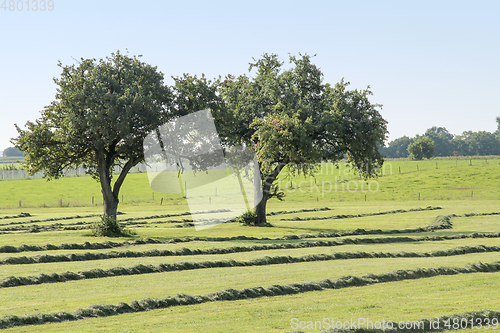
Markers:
point(121, 178)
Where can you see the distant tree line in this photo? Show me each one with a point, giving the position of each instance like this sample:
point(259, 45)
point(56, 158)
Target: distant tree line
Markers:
point(440, 142)
point(12, 152)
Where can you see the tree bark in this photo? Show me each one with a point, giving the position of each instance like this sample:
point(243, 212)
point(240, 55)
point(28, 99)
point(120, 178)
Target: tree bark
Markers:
point(110, 195)
point(109, 199)
point(110, 207)
point(260, 209)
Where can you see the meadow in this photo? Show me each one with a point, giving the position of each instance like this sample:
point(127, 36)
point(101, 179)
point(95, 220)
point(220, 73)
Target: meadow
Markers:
point(418, 247)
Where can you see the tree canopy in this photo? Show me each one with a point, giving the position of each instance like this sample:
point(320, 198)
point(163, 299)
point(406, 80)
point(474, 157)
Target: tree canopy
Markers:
point(422, 147)
point(12, 152)
point(103, 109)
point(293, 119)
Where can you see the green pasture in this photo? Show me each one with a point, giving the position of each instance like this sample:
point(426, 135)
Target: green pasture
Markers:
point(400, 302)
point(399, 180)
point(468, 194)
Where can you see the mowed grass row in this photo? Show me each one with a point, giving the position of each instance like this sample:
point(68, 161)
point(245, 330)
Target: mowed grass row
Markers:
point(211, 280)
point(408, 300)
point(384, 222)
point(259, 292)
point(395, 247)
point(342, 192)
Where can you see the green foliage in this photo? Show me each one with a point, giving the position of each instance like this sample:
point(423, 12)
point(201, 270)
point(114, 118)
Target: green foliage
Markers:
point(293, 119)
point(397, 148)
point(102, 112)
point(422, 147)
point(249, 218)
point(445, 144)
point(283, 139)
point(443, 141)
point(477, 143)
point(107, 226)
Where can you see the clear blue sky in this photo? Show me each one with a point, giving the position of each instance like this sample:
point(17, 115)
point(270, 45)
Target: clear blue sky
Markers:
point(430, 63)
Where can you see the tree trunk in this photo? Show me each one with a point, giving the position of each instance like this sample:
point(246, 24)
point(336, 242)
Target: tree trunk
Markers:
point(260, 209)
point(110, 195)
point(110, 205)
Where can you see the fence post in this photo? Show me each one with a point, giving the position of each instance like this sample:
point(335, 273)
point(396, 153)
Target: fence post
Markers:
point(418, 195)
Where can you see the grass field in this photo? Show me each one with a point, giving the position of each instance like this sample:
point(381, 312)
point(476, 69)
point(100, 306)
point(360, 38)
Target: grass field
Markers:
point(400, 180)
point(332, 256)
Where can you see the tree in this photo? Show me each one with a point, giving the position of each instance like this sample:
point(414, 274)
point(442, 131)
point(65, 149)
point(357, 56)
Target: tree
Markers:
point(478, 143)
point(102, 112)
point(12, 152)
point(294, 120)
point(398, 148)
point(443, 141)
point(422, 147)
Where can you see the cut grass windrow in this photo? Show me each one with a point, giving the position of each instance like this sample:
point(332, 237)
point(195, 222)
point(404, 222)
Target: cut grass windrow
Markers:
point(440, 222)
point(350, 216)
point(94, 215)
point(105, 310)
point(44, 220)
point(145, 217)
point(14, 281)
point(454, 322)
point(28, 226)
point(235, 249)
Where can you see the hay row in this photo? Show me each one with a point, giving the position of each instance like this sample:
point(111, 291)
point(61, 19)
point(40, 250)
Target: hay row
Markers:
point(82, 225)
point(305, 210)
point(94, 215)
point(214, 211)
point(350, 216)
point(440, 222)
point(230, 294)
point(235, 249)
point(14, 281)
point(15, 216)
point(439, 324)
point(45, 220)
point(147, 217)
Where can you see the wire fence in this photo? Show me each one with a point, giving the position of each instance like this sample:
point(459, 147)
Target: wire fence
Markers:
point(78, 172)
